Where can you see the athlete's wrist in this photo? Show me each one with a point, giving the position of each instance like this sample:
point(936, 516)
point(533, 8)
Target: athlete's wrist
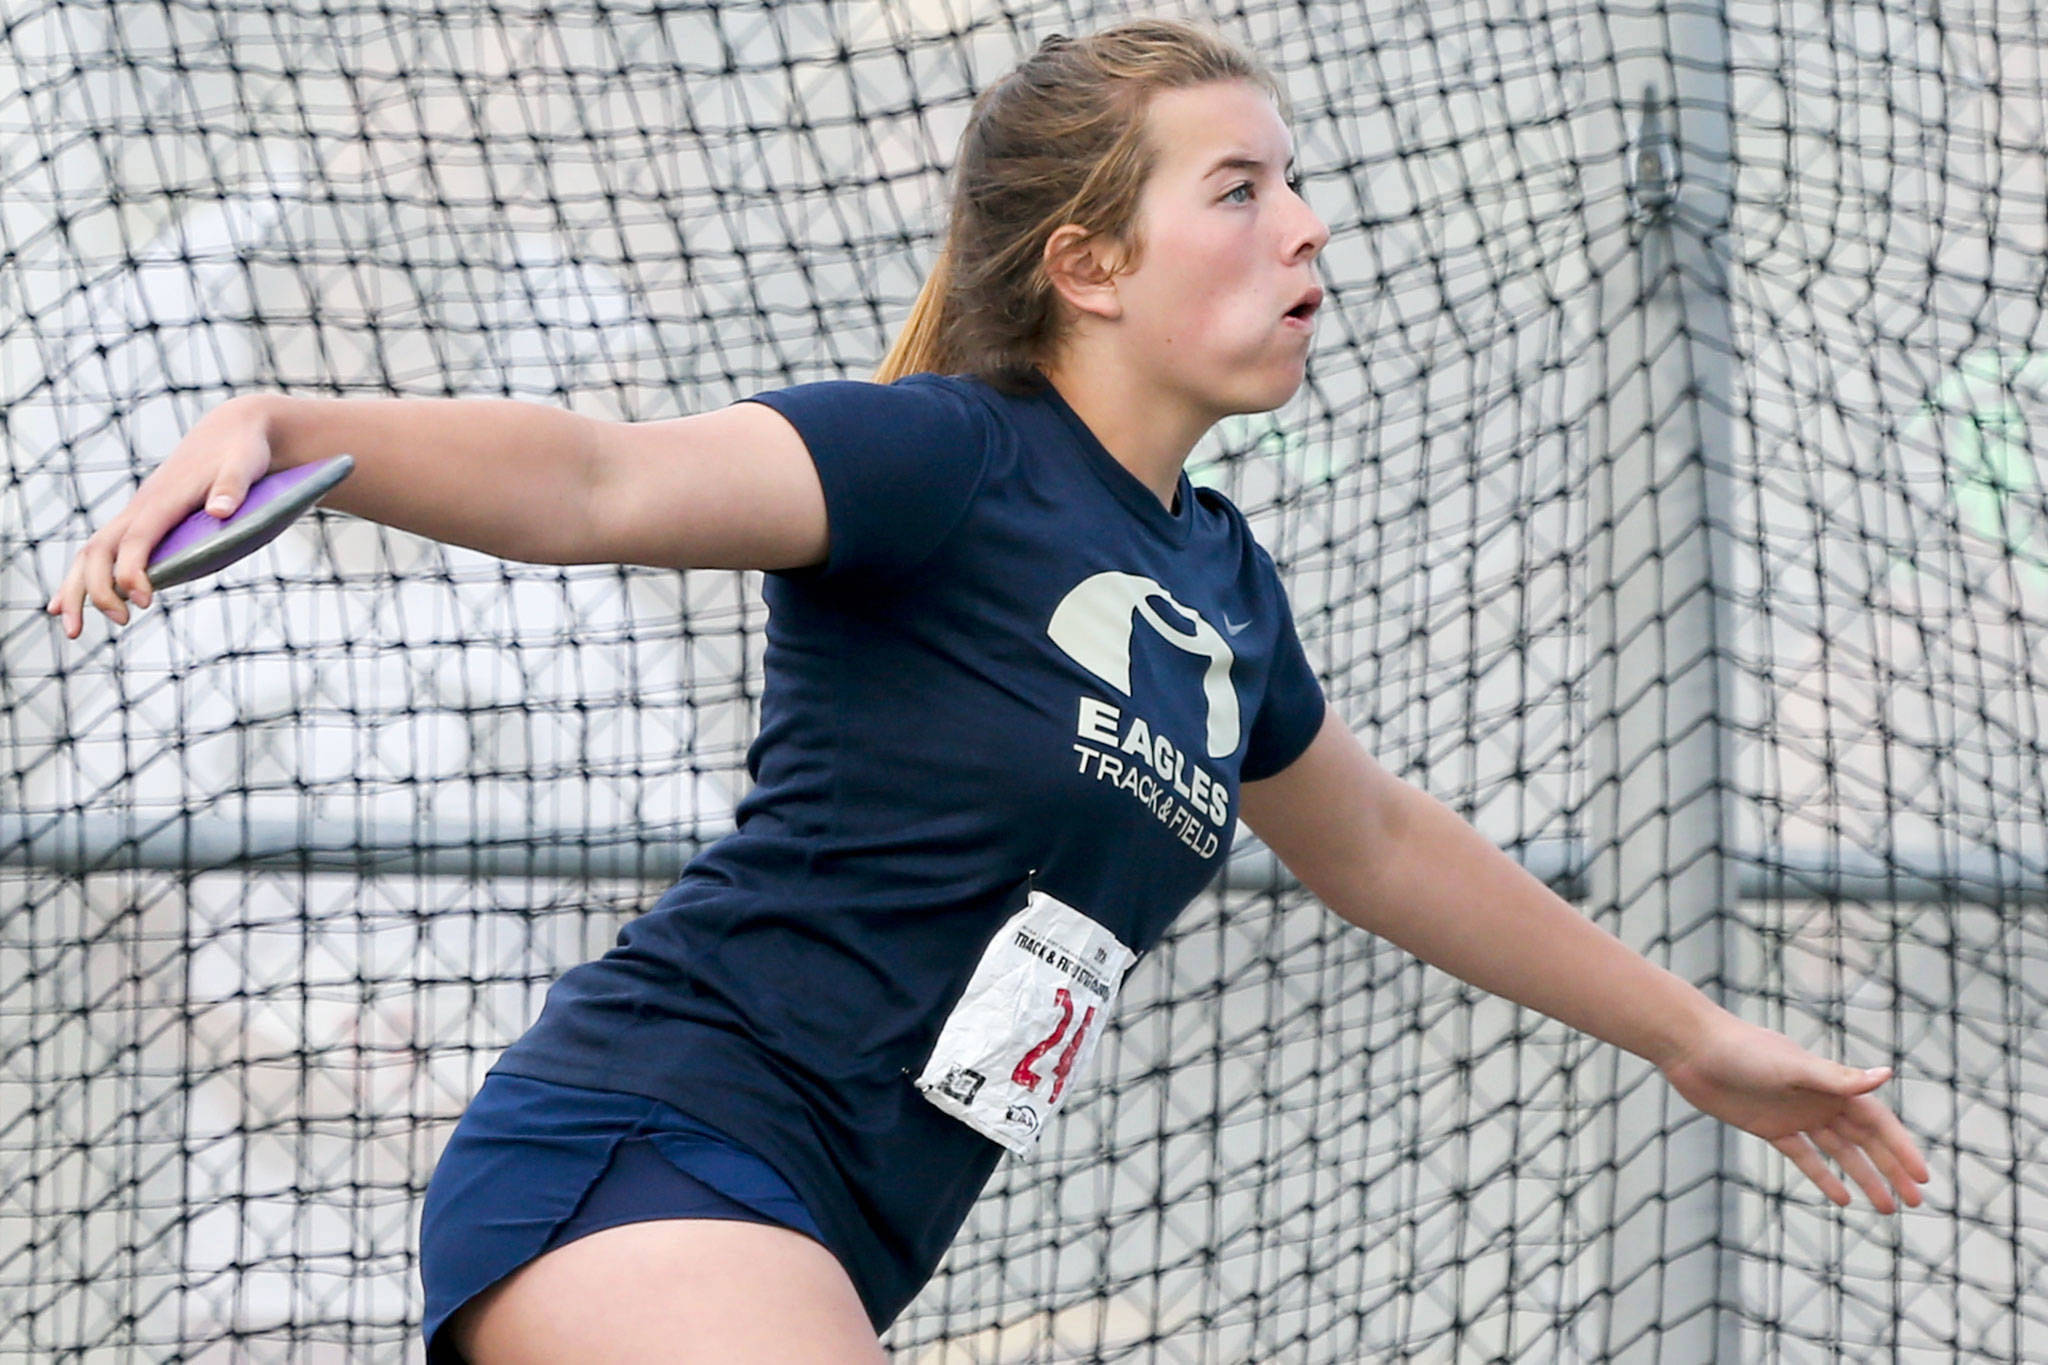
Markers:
point(1689, 1028)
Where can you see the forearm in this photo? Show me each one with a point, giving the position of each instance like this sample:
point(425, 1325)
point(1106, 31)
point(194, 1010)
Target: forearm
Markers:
point(506, 477)
point(1447, 894)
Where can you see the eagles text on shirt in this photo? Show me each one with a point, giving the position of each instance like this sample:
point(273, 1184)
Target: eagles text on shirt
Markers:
point(1016, 668)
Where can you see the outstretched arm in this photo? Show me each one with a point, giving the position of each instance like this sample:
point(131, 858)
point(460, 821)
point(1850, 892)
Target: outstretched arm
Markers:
point(1389, 858)
point(729, 488)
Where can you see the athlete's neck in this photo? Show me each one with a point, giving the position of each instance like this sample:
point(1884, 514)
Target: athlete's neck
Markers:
point(1152, 440)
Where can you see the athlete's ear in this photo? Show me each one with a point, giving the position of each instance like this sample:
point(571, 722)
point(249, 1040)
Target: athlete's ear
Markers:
point(1083, 267)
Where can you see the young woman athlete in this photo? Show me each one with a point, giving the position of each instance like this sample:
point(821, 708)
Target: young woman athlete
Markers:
point(1022, 679)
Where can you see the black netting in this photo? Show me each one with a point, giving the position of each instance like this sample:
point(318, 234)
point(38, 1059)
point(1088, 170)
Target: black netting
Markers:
point(1665, 493)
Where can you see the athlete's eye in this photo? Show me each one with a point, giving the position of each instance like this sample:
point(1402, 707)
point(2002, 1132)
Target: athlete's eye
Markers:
point(1235, 188)
point(1294, 182)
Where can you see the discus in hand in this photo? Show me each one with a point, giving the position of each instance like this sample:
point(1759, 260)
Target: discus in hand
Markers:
point(203, 543)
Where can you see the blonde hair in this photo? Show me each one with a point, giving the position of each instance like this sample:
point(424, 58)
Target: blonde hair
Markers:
point(1059, 140)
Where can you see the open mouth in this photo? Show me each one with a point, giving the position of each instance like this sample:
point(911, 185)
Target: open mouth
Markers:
point(1305, 310)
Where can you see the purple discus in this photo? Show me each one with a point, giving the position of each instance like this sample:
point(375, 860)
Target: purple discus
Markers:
point(203, 543)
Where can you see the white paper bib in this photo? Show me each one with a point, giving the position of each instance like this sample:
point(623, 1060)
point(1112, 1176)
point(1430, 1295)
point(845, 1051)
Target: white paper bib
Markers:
point(1009, 1053)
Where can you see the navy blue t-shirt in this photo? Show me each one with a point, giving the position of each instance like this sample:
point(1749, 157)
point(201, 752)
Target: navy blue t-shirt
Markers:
point(1014, 667)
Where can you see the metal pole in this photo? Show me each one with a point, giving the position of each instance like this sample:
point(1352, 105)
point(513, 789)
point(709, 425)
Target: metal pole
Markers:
point(71, 844)
point(1660, 871)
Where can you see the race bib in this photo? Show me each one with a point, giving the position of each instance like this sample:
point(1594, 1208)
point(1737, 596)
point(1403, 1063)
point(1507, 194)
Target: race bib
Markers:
point(1010, 1051)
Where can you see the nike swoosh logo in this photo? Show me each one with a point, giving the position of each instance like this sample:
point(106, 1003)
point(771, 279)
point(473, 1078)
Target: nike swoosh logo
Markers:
point(1234, 627)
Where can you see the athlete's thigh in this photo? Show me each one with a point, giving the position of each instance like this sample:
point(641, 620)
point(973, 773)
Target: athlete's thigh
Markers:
point(673, 1291)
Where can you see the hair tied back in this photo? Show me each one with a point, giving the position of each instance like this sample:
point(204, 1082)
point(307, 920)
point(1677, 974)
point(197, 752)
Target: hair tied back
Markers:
point(1060, 139)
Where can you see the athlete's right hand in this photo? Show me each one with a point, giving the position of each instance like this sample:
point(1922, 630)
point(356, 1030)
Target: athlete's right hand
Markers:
point(224, 453)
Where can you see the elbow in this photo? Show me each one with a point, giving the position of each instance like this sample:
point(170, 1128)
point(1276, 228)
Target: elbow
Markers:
point(577, 533)
point(1356, 885)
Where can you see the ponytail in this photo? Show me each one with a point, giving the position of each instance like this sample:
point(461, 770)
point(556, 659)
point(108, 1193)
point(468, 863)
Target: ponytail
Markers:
point(920, 345)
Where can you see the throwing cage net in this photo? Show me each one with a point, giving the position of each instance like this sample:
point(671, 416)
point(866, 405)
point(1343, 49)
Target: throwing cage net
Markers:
point(1665, 493)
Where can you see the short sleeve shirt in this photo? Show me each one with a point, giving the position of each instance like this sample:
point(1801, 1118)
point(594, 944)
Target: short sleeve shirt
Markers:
point(1014, 667)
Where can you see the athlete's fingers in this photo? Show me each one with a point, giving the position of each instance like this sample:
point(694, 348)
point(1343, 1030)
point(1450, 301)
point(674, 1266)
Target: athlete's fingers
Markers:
point(94, 577)
point(1857, 1166)
point(56, 607)
point(74, 596)
point(1887, 1145)
point(131, 557)
point(1890, 1134)
point(1877, 1132)
point(1808, 1160)
point(231, 485)
point(97, 561)
point(1895, 1173)
point(64, 603)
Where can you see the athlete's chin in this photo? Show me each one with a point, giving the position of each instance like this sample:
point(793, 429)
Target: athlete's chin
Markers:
point(1255, 383)
point(1275, 391)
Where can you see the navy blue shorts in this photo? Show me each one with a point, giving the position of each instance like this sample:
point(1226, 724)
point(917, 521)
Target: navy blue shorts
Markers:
point(534, 1164)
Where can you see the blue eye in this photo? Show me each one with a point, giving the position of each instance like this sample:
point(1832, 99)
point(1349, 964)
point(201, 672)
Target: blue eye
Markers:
point(1294, 182)
point(1235, 188)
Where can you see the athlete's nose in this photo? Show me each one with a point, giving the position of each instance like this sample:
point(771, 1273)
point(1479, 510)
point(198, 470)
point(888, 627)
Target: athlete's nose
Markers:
point(1316, 235)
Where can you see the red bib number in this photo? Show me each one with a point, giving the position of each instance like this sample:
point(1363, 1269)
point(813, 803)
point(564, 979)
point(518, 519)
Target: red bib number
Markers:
point(1028, 1022)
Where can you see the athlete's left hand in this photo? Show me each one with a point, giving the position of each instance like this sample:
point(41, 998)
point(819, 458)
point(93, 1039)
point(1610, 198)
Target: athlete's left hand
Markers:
point(1764, 1083)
